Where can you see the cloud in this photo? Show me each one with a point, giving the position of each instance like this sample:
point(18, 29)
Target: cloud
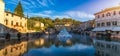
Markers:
point(28, 3)
point(25, 3)
point(43, 2)
point(51, 2)
point(48, 12)
point(32, 3)
point(39, 14)
point(79, 14)
point(60, 16)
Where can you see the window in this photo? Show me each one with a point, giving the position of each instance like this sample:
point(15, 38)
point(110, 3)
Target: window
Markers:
point(108, 23)
point(6, 14)
point(12, 23)
point(25, 25)
point(11, 49)
point(98, 24)
point(114, 23)
point(114, 47)
point(119, 12)
point(108, 14)
point(98, 16)
point(102, 15)
point(98, 52)
point(12, 15)
point(6, 22)
point(20, 23)
point(114, 13)
point(102, 24)
point(20, 17)
point(16, 23)
point(108, 46)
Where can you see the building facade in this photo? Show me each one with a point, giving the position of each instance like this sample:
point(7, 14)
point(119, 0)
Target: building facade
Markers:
point(87, 25)
point(39, 25)
point(10, 21)
point(60, 26)
point(108, 19)
point(107, 22)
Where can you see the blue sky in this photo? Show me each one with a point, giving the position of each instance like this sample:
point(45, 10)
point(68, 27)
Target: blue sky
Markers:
point(81, 10)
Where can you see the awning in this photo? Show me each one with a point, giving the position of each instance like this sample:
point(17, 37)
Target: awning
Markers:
point(107, 28)
point(98, 29)
point(116, 29)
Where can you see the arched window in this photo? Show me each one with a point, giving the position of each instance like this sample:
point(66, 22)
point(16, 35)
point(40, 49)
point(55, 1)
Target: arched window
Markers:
point(114, 13)
point(102, 24)
point(114, 23)
point(98, 16)
point(98, 24)
point(7, 14)
point(108, 24)
point(102, 15)
point(108, 14)
point(119, 12)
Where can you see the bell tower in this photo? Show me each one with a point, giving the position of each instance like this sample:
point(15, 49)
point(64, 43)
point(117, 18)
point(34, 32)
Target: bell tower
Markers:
point(2, 7)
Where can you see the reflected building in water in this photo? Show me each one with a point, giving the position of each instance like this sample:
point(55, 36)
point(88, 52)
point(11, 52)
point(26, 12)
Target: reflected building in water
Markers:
point(18, 49)
point(107, 22)
point(14, 50)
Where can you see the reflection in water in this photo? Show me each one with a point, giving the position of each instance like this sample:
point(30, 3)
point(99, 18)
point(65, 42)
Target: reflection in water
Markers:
point(76, 50)
point(14, 49)
point(39, 42)
point(51, 47)
point(63, 36)
point(48, 47)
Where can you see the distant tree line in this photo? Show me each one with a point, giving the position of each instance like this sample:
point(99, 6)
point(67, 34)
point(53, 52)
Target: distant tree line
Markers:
point(48, 22)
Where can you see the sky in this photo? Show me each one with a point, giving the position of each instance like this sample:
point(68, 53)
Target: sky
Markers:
point(82, 10)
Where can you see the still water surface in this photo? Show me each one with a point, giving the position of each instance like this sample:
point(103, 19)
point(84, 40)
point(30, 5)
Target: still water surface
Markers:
point(75, 49)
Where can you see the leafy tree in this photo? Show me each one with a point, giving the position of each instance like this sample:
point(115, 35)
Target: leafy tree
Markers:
point(19, 10)
point(48, 22)
point(57, 20)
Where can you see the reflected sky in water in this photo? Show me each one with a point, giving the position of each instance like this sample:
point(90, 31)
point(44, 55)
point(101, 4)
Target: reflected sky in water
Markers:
point(74, 50)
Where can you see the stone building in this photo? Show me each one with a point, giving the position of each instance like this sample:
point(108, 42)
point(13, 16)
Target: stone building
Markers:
point(87, 25)
point(60, 26)
point(40, 25)
point(10, 22)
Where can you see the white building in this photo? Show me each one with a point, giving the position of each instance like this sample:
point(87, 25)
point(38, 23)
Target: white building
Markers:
point(108, 19)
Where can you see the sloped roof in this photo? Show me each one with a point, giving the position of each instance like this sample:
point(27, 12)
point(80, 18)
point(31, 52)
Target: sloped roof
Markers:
point(108, 9)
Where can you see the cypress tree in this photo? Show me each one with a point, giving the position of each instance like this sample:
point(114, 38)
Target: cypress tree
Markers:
point(19, 10)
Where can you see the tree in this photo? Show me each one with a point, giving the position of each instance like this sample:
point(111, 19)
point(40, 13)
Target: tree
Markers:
point(19, 10)
point(57, 20)
point(49, 22)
